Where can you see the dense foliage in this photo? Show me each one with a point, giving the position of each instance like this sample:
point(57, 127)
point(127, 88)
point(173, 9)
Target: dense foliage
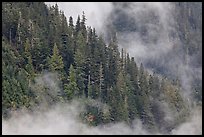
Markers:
point(36, 39)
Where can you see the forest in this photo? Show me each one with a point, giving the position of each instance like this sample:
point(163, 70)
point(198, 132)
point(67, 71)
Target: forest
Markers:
point(37, 39)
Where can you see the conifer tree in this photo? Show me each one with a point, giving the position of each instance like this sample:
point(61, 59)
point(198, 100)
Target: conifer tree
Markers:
point(71, 28)
point(78, 26)
point(55, 61)
point(79, 59)
point(29, 63)
point(83, 26)
point(72, 89)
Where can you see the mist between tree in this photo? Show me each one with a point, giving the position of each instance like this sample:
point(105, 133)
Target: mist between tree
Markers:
point(100, 90)
point(159, 35)
point(66, 118)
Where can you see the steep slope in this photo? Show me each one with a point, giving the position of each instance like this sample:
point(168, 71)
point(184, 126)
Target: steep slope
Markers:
point(37, 40)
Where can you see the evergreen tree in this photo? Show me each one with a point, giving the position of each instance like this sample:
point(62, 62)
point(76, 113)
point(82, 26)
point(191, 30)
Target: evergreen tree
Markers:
point(79, 59)
point(78, 26)
point(131, 100)
point(71, 24)
point(29, 65)
point(119, 104)
point(122, 97)
point(55, 61)
point(71, 28)
point(102, 90)
point(30, 68)
point(145, 113)
point(83, 26)
point(113, 60)
point(72, 89)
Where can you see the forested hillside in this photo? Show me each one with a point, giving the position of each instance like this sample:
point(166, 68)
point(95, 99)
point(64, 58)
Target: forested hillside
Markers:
point(171, 32)
point(37, 39)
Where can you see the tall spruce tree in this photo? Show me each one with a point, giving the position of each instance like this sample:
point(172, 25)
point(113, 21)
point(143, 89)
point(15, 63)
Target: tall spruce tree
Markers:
point(71, 89)
point(55, 62)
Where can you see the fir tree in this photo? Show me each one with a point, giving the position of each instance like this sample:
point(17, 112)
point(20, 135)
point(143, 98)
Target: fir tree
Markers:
point(55, 61)
point(72, 89)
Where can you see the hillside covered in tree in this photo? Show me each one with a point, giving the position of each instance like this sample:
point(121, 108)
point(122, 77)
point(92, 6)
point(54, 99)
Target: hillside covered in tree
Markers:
point(37, 39)
point(174, 27)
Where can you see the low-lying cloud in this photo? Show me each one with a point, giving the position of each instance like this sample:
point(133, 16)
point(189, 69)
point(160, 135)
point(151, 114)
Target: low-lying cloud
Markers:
point(63, 119)
point(154, 40)
point(193, 125)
